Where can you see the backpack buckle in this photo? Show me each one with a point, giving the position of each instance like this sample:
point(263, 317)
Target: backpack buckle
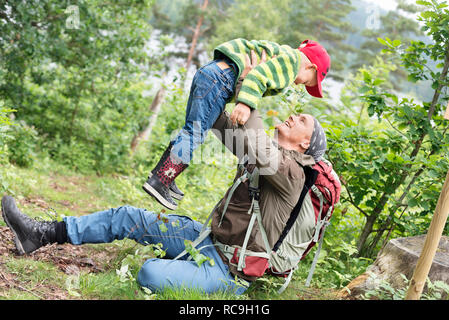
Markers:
point(254, 193)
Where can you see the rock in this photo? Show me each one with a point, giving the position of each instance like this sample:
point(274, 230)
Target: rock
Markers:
point(399, 259)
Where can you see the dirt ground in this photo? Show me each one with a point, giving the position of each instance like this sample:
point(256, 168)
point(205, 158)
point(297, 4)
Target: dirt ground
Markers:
point(69, 258)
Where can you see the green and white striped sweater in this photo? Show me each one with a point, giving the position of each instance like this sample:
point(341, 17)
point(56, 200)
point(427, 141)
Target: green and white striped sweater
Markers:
point(268, 78)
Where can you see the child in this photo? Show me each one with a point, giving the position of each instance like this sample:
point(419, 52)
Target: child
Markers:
point(214, 85)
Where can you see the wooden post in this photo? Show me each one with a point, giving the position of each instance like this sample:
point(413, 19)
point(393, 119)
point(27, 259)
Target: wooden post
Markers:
point(432, 240)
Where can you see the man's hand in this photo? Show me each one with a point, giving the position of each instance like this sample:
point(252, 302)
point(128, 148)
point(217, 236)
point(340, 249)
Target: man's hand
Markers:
point(240, 114)
point(250, 64)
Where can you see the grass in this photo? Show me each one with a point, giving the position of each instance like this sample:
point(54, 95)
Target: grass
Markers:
point(50, 191)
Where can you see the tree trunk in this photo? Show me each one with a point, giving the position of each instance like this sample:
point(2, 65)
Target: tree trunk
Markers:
point(146, 132)
point(196, 34)
point(400, 256)
point(389, 224)
point(367, 229)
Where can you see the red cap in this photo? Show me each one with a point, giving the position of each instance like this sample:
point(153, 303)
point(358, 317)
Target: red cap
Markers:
point(318, 56)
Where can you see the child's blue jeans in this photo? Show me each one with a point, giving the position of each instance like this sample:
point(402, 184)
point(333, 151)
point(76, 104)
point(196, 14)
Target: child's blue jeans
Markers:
point(170, 230)
point(212, 88)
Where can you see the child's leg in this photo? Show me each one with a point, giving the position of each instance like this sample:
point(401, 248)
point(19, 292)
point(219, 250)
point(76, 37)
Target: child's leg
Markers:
point(211, 89)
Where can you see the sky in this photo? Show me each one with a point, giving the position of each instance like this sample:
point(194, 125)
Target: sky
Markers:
point(389, 4)
point(385, 4)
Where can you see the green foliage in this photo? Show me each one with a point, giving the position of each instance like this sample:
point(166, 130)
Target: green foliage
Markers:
point(21, 142)
point(196, 255)
point(5, 123)
point(325, 22)
point(4, 119)
point(336, 265)
point(265, 23)
point(393, 168)
point(436, 290)
point(76, 75)
point(132, 262)
point(400, 26)
point(79, 92)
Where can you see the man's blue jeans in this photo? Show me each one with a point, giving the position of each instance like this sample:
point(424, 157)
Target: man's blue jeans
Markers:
point(144, 227)
point(212, 88)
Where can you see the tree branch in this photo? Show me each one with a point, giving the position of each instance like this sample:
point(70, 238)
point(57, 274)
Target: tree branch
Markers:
point(388, 120)
point(443, 76)
point(353, 203)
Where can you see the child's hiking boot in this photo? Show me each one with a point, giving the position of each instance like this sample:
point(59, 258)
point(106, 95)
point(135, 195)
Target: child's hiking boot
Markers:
point(29, 234)
point(160, 183)
point(175, 192)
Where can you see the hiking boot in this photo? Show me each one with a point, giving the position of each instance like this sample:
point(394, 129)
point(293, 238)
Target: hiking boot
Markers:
point(175, 192)
point(162, 178)
point(29, 234)
point(155, 188)
point(173, 189)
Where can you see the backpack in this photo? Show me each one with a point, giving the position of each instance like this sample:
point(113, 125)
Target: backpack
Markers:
point(320, 193)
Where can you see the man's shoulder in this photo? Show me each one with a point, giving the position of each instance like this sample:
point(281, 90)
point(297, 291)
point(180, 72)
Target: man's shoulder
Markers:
point(290, 167)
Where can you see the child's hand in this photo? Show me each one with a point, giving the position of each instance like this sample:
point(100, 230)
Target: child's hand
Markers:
point(240, 114)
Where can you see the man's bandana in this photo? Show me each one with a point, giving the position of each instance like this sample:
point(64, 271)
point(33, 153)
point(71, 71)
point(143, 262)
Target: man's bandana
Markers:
point(318, 143)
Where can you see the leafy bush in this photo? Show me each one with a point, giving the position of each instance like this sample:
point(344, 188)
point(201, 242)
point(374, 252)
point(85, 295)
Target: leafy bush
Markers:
point(76, 156)
point(336, 265)
point(81, 88)
point(21, 142)
point(5, 122)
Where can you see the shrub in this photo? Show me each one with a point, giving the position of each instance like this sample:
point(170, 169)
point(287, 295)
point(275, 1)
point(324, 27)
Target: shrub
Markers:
point(21, 142)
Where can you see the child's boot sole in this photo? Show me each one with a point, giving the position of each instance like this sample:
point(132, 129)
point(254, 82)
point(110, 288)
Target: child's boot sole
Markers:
point(152, 192)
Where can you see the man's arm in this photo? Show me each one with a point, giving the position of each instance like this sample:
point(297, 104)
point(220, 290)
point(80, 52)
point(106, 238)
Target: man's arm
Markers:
point(251, 139)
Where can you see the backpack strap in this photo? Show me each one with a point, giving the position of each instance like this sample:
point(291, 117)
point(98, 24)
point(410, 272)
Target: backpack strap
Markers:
point(243, 177)
point(287, 281)
point(254, 193)
point(323, 223)
point(231, 192)
point(311, 175)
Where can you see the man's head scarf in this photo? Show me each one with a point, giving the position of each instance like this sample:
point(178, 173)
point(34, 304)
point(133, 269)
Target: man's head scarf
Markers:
point(318, 143)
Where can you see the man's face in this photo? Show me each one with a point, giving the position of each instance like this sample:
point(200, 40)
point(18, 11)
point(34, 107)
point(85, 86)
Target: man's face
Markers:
point(296, 130)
